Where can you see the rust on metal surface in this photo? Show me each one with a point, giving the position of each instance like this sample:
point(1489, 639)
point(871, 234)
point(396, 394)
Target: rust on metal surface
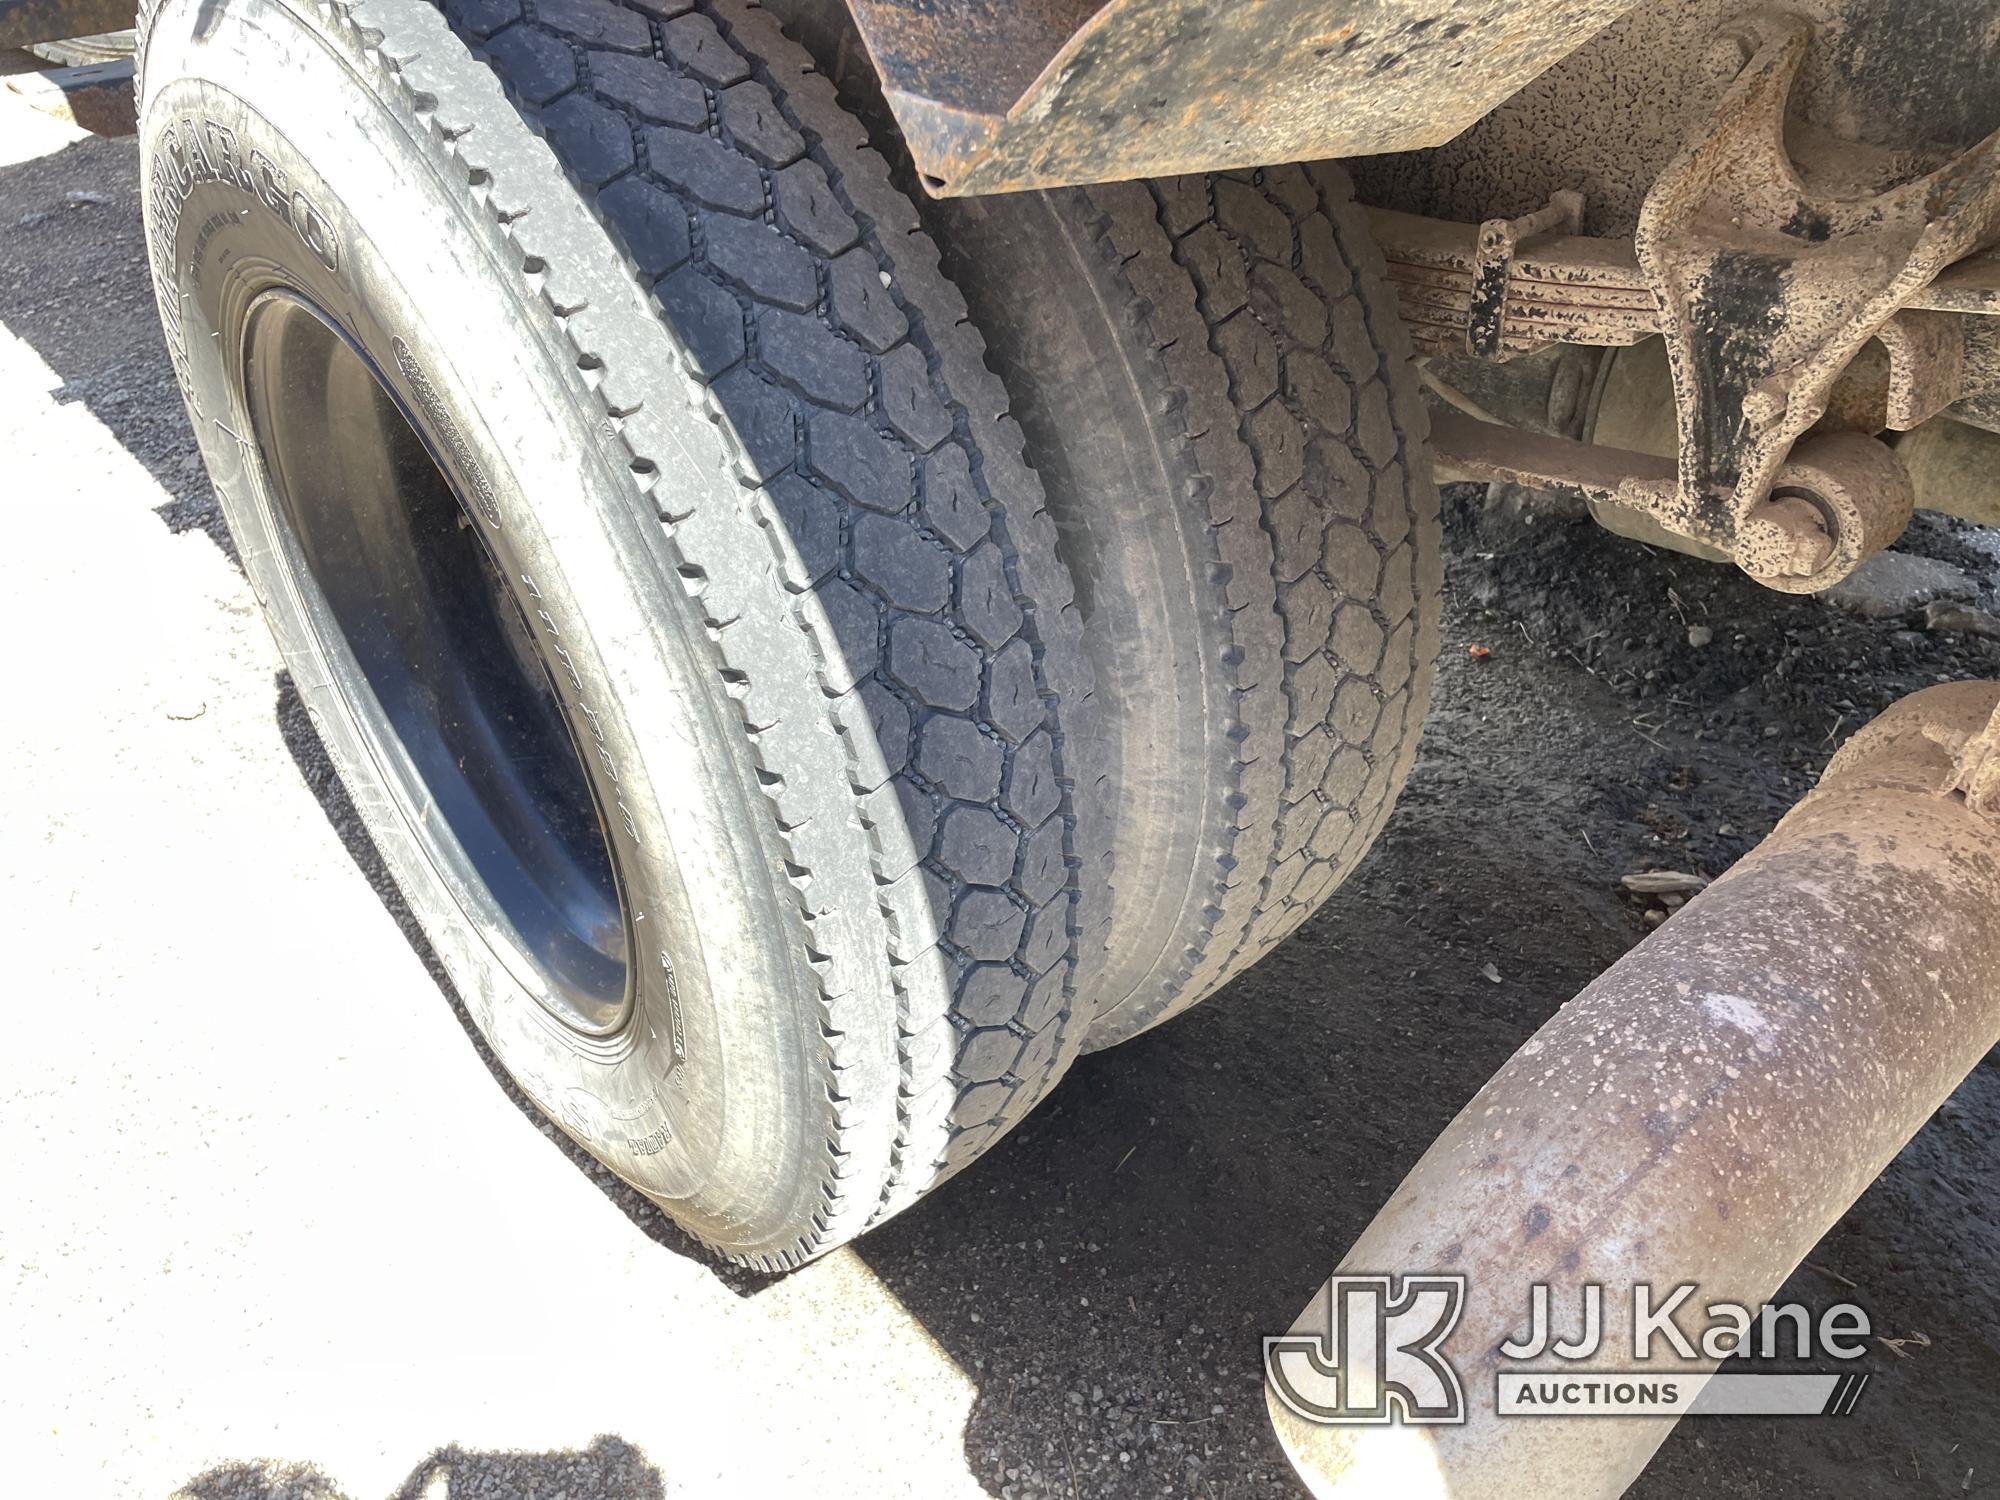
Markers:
point(1784, 542)
point(1494, 248)
point(1707, 1108)
point(1573, 289)
point(94, 96)
point(1560, 288)
point(1767, 289)
point(1641, 482)
point(994, 97)
point(1838, 499)
point(1975, 761)
point(1926, 366)
point(1971, 286)
point(1889, 90)
point(1764, 292)
point(1952, 465)
point(1980, 405)
point(26, 22)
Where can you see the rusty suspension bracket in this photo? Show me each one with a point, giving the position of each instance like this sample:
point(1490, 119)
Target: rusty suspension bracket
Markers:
point(1763, 292)
point(1733, 242)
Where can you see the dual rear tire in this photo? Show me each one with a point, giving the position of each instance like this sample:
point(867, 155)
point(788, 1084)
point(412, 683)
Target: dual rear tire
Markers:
point(794, 765)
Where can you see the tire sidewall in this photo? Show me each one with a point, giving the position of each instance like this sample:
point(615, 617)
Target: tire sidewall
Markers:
point(269, 154)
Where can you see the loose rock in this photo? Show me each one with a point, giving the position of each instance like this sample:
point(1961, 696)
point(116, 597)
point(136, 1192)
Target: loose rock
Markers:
point(1662, 882)
point(1893, 584)
point(1951, 618)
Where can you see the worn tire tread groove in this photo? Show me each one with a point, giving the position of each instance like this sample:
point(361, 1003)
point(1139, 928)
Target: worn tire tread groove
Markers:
point(1250, 913)
point(450, 98)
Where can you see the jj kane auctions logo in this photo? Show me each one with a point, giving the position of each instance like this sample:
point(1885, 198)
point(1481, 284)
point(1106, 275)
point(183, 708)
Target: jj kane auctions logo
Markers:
point(1380, 1356)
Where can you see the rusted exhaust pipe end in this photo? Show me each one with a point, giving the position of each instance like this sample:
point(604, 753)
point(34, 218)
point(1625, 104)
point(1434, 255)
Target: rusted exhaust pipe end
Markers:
point(1705, 1110)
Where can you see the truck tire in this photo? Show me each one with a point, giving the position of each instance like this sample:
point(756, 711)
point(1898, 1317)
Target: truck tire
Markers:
point(1219, 394)
point(646, 535)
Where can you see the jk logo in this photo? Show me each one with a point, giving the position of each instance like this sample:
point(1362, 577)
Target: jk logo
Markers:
point(1377, 1360)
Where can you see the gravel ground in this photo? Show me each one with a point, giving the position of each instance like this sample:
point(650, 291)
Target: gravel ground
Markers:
point(271, 1231)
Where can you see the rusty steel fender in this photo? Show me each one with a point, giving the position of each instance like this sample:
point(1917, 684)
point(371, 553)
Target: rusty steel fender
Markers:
point(997, 95)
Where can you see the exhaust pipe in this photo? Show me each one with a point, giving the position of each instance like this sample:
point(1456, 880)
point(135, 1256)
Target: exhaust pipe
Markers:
point(1701, 1113)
